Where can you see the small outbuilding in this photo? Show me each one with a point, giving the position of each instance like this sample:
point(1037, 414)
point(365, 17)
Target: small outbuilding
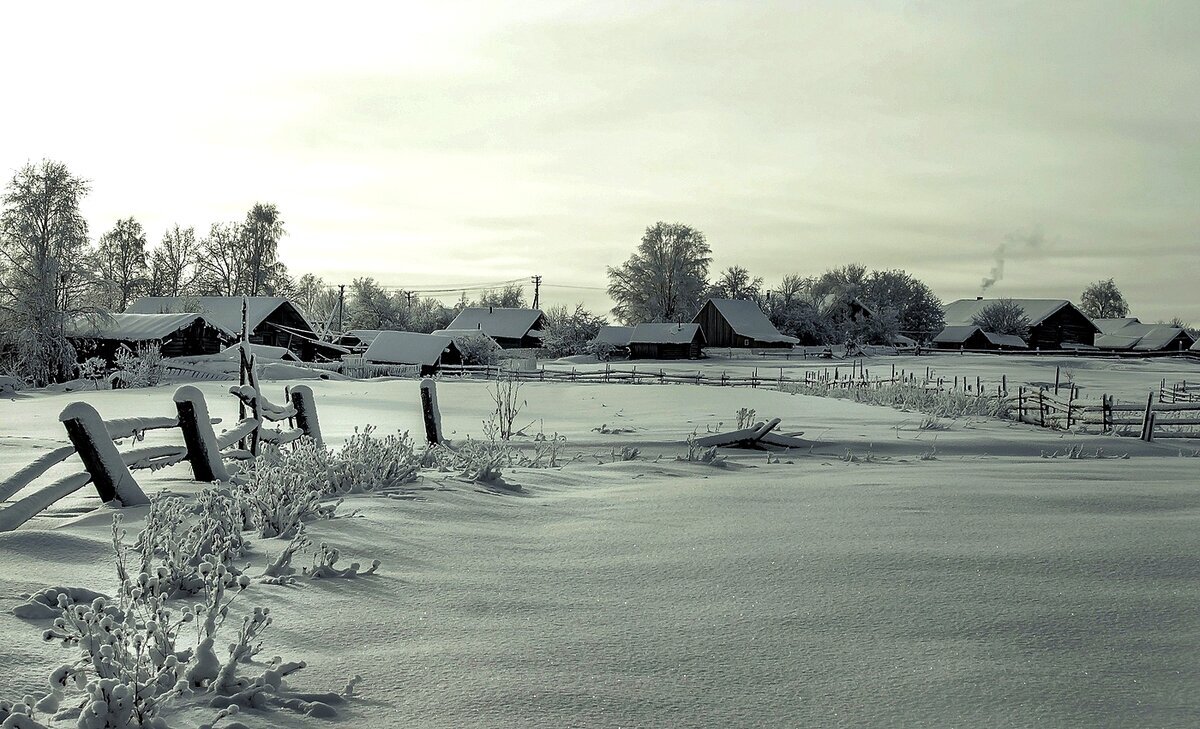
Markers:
point(428, 351)
point(511, 328)
point(1131, 335)
point(176, 335)
point(666, 341)
point(739, 323)
point(973, 337)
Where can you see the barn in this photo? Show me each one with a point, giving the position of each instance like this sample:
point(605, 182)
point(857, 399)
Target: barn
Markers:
point(273, 320)
point(176, 335)
point(429, 351)
point(973, 337)
point(1053, 323)
point(666, 341)
point(739, 323)
point(511, 328)
point(618, 337)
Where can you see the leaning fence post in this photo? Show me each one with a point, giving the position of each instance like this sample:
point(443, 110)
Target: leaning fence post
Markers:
point(198, 436)
point(306, 412)
point(100, 456)
point(429, 409)
point(1148, 420)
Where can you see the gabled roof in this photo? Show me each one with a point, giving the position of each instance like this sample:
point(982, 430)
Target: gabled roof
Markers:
point(500, 322)
point(1112, 326)
point(224, 312)
point(964, 311)
point(615, 335)
point(366, 336)
point(747, 320)
point(1006, 340)
point(1159, 338)
point(1116, 342)
point(956, 334)
point(1141, 337)
point(407, 348)
point(128, 327)
point(665, 333)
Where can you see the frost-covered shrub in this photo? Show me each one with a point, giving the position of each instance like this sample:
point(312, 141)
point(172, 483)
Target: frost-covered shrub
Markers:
point(278, 499)
point(902, 396)
point(365, 462)
point(697, 453)
point(326, 557)
point(179, 536)
point(599, 349)
point(138, 369)
point(93, 369)
point(478, 349)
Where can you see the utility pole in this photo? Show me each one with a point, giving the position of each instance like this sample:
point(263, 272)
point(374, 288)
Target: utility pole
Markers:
point(537, 284)
point(341, 305)
point(409, 295)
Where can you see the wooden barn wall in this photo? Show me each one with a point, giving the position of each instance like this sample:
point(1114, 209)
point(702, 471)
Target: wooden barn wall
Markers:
point(1068, 324)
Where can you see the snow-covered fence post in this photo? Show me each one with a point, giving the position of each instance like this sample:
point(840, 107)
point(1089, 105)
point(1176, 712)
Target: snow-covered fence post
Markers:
point(198, 436)
point(429, 409)
point(306, 412)
point(100, 456)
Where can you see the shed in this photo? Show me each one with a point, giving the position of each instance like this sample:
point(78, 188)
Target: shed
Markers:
point(1052, 322)
point(970, 336)
point(1130, 334)
point(262, 352)
point(430, 351)
point(273, 320)
point(739, 323)
point(666, 341)
point(617, 336)
point(176, 335)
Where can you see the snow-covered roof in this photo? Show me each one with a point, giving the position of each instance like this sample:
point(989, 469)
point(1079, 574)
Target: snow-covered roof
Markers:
point(224, 312)
point(964, 311)
point(407, 348)
point(956, 334)
point(747, 320)
point(615, 335)
point(1111, 326)
point(1116, 341)
point(1006, 340)
point(366, 336)
point(1195, 347)
point(261, 351)
point(1141, 337)
point(496, 321)
point(128, 327)
point(901, 340)
point(665, 333)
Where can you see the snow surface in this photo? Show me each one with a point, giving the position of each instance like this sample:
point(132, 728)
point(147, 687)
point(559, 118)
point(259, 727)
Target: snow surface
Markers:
point(986, 587)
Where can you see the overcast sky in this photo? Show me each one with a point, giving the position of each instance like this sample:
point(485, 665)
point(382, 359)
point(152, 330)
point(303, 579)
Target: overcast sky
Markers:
point(434, 142)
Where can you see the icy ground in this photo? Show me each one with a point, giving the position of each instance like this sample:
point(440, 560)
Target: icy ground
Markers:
point(888, 576)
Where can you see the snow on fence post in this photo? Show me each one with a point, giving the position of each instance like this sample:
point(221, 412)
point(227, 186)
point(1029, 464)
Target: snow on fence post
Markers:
point(429, 409)
point(198, 436)
point(100, 456)
point(306, 412)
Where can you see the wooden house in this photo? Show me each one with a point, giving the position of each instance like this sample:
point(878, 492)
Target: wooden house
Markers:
point(1053, 323)
point(666, 341)
point(510, 328)
point(972, 337)
point(428, 351)
point(176, 335)
point(273, 320)
point(738, 323)
point(1131, 335)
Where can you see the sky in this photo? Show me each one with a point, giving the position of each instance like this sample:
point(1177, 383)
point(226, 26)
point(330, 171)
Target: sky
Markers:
point(452, 143)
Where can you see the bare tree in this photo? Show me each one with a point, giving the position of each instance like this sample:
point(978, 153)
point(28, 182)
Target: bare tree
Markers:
point(735, 282)
point(121, 263)
point(665, 277)
point(173, 263)
point(1003, 316)
point(43, 272)
point(222, 267)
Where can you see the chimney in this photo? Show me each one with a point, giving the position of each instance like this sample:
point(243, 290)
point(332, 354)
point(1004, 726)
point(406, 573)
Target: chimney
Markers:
point(489, 309)
point(979, 298)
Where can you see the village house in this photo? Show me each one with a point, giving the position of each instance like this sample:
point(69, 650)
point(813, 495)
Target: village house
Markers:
point(176, 335)
point(1053, 323)
point(739, 323)
point(510, 328)
point(273, 321)
point(428, 351)
point(969, 336)
point(1129, 334)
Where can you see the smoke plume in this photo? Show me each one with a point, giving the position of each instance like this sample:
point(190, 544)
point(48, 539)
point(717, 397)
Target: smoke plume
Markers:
point(1013, 242)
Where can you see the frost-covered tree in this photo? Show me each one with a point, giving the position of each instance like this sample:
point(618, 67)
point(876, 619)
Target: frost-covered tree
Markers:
point(173, 263)
point(1003, 316)
point(43, 268)
point(318, 299)
point(121, 264)
point(1103, 300)
point(222, 266)
point(511, 296)
point(369, 306)
point(570, 331)
point(918, 312)
point(664, 279)
point(736, 282)
point(261, 233)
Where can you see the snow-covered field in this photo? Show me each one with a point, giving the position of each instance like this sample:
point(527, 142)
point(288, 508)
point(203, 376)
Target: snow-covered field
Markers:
point(886, 576)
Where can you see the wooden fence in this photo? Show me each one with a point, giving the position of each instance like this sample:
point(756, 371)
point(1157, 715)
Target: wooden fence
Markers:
point(94, 440)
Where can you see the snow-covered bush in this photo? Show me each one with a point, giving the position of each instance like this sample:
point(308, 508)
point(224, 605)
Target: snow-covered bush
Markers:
point(93, 369)
point(697, 453)
point(599, 349)
point(142, 368)
point(506, 397)
point(570, 332)
point(326, 557)
point(279, 498)
point(903, 396)
point(478, 349)
point(366, 463)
